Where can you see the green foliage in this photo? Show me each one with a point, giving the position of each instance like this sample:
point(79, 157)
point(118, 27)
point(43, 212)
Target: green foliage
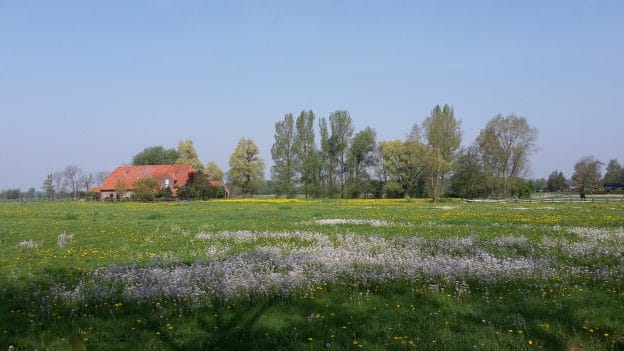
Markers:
point(525, 190)
point(615, 172)
point(443, 134)
point(166, 193)
point(156, 155)
point(334, 144)
point(505, 145)
point(213, 172)
point(360, 157)
point(246, 167)
point(394, 190)
point(307, 155)
point(198, 188)
point(468, 176)
point(188, 155)
point(403, 163)
point(587, 174)
point(11, 194)
point(283, 171)
point(557, 182)
point(146, 189)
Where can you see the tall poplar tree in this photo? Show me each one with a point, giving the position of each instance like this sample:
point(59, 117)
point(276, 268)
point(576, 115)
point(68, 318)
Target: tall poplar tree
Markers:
point(443, 135)
point(307, 153)
point(361, 156)
point(283, 171)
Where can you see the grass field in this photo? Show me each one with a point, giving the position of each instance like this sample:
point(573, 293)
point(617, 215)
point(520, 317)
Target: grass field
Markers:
point(311, 275)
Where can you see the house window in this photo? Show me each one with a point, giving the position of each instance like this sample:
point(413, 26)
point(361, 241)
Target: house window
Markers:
point(166, 183)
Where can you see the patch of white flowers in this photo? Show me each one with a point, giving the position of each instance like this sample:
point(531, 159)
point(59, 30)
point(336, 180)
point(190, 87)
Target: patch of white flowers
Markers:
point(371, 222)
point(28, 244)
point(279, 263)
point(64, 239)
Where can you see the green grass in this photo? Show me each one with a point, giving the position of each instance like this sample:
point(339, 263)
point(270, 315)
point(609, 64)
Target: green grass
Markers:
point(557, 313)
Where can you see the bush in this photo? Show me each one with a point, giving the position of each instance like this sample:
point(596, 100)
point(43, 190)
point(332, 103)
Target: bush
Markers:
point(198, 188)
point(525, 191)
point(394, 190)
point(146, 189)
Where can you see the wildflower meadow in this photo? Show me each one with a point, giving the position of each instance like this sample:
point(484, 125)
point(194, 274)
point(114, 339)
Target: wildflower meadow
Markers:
point(276, 274)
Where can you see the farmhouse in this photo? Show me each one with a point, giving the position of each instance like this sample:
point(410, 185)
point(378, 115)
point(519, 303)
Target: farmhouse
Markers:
point(121, 183)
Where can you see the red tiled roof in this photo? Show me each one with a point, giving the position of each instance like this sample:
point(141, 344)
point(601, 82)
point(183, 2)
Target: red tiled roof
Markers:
point(215, 183)
point(130, 174)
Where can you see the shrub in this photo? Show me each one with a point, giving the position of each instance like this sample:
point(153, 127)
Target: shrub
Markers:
point(146, 189)
point(393, 190)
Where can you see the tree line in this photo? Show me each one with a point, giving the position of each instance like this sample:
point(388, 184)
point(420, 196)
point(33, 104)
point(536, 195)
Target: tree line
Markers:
point(71, 182)
point(428, 162)
point(328, 158)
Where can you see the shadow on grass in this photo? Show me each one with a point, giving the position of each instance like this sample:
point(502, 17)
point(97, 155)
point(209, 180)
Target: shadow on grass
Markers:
point(339, 317)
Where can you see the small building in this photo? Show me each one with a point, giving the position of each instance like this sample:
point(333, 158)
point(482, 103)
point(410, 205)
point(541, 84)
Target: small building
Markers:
point(220, 183)
point(120, 183)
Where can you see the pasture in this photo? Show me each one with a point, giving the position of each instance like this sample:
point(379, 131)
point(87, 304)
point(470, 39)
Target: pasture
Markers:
point(312, 275)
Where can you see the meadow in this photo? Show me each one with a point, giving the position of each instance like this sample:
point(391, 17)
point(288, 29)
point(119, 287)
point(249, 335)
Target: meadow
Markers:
point(277, 274)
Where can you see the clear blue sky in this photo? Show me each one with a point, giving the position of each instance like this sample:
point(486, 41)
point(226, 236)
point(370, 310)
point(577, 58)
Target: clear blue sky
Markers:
point(92, 83)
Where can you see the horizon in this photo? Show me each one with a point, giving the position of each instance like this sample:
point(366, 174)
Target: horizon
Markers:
point(92, 85)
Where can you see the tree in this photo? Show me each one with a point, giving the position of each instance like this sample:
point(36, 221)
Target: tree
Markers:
point(415, 134)
point(342, 129)
point(30, 194)
point(615, 172)
point(468, 175)
point(12, 194)
point(505, 145)
point(403, 166)
point(360, 157)
point(87, 181)
point(587, 174)
point(557, 182)
point(307, 153)
point(120, 188)
point(246, 167)
point(443, 135)
point(327, 172)
point(213, 172)
point(48, 186)
point(146, 189)
point(156, 155)
point(72, 176)
point(188, 155)
point(199, 188)
point(539, 184)
point(283, 153)
point(334, 144)
point(100, 176)
point(59, 182)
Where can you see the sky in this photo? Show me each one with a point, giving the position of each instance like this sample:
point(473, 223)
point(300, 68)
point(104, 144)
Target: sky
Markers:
point(92, 83)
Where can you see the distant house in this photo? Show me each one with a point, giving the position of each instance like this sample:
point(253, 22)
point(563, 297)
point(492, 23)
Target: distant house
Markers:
point(121, 183)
